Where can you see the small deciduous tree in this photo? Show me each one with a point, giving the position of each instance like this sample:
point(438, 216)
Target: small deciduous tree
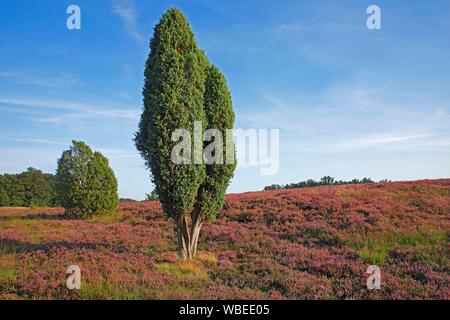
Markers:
point(36, 189)
point(14, 189)
point(152, 196)
point(85, 183)
point(4, 198)
point(327, 180)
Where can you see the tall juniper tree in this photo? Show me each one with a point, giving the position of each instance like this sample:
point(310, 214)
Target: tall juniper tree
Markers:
point(180, 89)
point(220, 117)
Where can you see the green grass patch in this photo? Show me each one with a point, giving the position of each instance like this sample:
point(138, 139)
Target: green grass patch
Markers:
point(433, 255)
point(98, 290)
point(8, 247)
point(197, 268)
point(108, 217)
point(347, 194)
point(183, 270)
point(375, 248)
point(7, 267)
point(442, 192)
point(7, 273)
point(150, 251)
point(25, 222)
point(174, 291)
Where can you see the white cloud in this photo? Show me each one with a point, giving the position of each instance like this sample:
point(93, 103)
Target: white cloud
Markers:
point(27, 140)
point(56, 80)
point(82, 109)
point(352, 118)
point(353, 107)
point(374, 141)
point(288, 31)
point(120, 153)
point(127, 12)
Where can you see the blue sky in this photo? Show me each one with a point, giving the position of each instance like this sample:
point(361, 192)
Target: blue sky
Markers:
point(349, 102)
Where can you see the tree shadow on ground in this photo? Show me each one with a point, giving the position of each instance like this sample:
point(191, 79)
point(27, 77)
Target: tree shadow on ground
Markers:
point(8, 246)
point(39, 216)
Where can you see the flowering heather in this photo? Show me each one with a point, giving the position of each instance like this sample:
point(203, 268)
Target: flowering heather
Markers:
point(311, 243)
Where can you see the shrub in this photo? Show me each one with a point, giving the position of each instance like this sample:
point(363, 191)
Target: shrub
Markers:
point(86, 185)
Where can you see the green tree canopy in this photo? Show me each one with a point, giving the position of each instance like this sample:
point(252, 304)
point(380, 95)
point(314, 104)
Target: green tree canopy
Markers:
point(29, 188)
point(151, 196)
point(4, 198)
point(86, 185)
point(14, 190)
point(36, 189)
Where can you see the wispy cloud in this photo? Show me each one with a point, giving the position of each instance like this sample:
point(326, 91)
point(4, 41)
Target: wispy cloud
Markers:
point(120, 153)
point(374, 141)
point(50, 120)
point(56, 80)
point(26, 140)
point(290, 31)
point(249, 39)
point(352, 106)
point(15, 160)
point(126, 10)
point(84, 109)
point(350, 118)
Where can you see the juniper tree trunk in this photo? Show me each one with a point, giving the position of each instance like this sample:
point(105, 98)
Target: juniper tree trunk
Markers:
point(184, 238)
point(188, 236)
point(195, 232)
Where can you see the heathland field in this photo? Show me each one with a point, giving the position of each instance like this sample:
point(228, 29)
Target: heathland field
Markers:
point(311, 243)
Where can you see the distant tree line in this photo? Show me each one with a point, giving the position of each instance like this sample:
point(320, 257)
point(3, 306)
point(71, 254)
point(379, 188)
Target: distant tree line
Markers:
point(27, 189)
point(127, 200)
point(152, 196)
point(325, 181)
point(84, 184)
